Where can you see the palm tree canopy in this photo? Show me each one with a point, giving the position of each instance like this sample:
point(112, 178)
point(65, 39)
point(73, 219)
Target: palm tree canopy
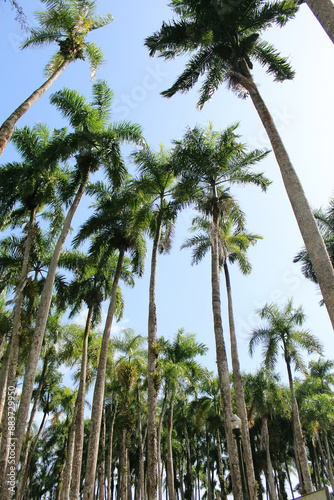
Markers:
point(67, 23)
point(281, 332)
point(325, 221)
point(209, 161)
point(223, 37)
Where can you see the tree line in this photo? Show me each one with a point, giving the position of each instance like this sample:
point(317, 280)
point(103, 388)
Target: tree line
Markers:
point(137, 394)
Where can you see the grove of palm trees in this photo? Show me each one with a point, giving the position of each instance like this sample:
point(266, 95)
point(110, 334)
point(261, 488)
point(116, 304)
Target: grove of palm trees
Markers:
point(166, 256)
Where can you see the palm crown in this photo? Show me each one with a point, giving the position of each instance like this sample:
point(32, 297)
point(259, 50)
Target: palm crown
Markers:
point(67, 24)
point(224, 41)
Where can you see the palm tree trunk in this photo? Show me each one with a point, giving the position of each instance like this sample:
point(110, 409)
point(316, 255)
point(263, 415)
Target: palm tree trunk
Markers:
point(324, 12)
point(6, 129)
point(152, 373)
point(163, 409)
point(223, 495)
point(223, 373)
point(95, 424)
point(208, 475)
point(189, 477)
point(102, 466)
point(239, 393)
point(329, 461)
point(308, 227)
point(110, 455)
point(14, 346)
point(141, 450)
point(170, 466)
point(80, 413)
point(269, 467)
point(23, 468)
point(67, 476)
point(298, 433)
point(3, 383)
point(37, 339)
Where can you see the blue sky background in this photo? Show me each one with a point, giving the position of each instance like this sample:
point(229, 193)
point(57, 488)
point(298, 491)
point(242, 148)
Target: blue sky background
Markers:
point(303, 110)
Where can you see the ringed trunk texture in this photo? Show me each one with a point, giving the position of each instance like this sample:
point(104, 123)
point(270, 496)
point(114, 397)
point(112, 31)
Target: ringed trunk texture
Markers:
point(170, 465)
point(239, 393)
point(67, 475)
point(141, 492)
point(163, 409)
point(79, 413)
point(301, 448)
point(222, 366)
point(324, 12)
point(97, 407)
point(110, 453)
point(7, 128)
point(308, 227)
point(38, 335)
point(152, 374)
point(14, 348)
point(264, 445)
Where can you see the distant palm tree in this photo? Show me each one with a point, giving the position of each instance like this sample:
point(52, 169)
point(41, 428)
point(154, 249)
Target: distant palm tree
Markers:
point(156, 180)
point(209, 162)
point(280, 331)
point(325, 221)
point(95, 143)
point(224, 38)
point(118, 221)
point(67, 23)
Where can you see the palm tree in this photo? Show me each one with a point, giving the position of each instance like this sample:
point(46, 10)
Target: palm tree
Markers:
point(280, 331)
point(67, 23)
point(325, 221)
point(233, 245)
point(179, 365)
point(324, 12)
point(97, 143)
point(130, 365)
point(209, 161)
point(118, 221)
point(93, 278)
point(156, 180)
point(225, 39)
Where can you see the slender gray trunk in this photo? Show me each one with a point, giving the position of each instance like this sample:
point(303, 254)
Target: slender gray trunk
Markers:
point(324, 12)
point(23, 469)
point(102, 466)
point(152, 373)
point(79, 421)
point(163, 409)
point(329, 461)
point(7, 128)
point(170, 465)
point(307, 224)
point(110, 455)
point(141, 492)
point(298, 433)
point(37, 339)
point(3, 384)
point(239, 393)
point(14, 348)
point(264, 446)
point(67, 475)
point(220, 467)
point(95, 424)
point(222, 366)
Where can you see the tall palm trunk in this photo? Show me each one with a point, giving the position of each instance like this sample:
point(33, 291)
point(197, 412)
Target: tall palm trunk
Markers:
point(163, 409)
point(14, 347)
point(79, 411)
point(308, 227)
point(264, 445)
point(24, 468)
point(239, 393)
point(141, 451)
point(102, 466)
point(6, 129)
point(67, 474)
point(110, 454)
point(327, 463)
point(324, 12)
point(152, 373)
point(170, 466)
point(223, 495)
point(96, 415)
point(298, 434)
point(223, 373)
point(37, 339)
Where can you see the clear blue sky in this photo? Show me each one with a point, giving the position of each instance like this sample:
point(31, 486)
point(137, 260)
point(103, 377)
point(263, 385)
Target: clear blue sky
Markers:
point(303, 110)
